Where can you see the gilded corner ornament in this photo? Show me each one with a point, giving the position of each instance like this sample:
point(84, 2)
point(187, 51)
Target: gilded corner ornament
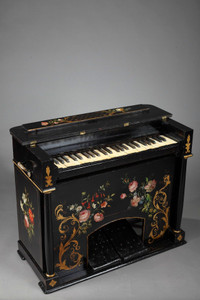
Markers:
point(48, 177)
point(52, 283)
point(188, 144)
point(180, 237)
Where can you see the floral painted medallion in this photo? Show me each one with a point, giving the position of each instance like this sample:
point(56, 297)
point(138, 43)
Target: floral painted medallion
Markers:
point(27, 210)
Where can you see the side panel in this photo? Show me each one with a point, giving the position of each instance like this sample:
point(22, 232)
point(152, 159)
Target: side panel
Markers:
point(29, 211)
point(85, 204)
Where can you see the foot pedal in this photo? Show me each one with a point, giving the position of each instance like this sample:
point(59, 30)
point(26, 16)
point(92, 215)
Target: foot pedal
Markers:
point(124, 239)
point(101, 252)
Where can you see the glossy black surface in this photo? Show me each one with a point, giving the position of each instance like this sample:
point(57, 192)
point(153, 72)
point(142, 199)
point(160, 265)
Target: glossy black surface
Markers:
point(123, 234)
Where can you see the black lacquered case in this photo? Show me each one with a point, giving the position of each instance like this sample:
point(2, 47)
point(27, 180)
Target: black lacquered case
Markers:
point(98, 191)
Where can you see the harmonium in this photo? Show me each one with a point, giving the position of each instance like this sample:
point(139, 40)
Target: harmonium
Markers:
point(98, 191)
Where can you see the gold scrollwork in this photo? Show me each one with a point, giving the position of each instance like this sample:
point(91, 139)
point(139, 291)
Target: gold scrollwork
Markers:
point(70, 245)
point(188, 144)
point(161, 205)
point(48, 178)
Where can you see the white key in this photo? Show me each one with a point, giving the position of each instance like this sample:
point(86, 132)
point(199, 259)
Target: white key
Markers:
point(84, 159)
point(104, 156)
point(130, 150)
point(101, 156)
point(157, 144)
point(142, 147)
point(133, 150)
point(90, 159)
point(168, 141)
point(93, 158)
point(63, 162)
point(115, 153)
point(71, 161)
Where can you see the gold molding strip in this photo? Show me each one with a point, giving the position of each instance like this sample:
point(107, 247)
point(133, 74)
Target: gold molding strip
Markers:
point(187, 156)
point(50, 275)
point(46, 191)
point(176, 231)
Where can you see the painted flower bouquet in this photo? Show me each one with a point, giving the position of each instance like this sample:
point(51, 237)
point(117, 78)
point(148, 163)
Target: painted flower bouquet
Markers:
point(91, 208)
point(27, 210)
point(140, 195)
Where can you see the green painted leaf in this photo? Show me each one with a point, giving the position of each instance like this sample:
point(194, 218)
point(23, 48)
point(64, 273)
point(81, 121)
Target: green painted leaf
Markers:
point(148, 197)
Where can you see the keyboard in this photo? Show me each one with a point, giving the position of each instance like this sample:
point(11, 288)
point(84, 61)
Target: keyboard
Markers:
point(106, 152)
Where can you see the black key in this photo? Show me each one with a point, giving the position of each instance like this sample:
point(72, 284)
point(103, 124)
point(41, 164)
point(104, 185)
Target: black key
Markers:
point(115, 148)
point(56, 161)
point(86, 154)
point(152, 141)
point(73, 156)
point(60, 160)
point(120, 147)
point(135, 144)
point(142, 142)
point(95, 152)
point(108, 150)
point(131, 145)
point(124, 146)
point(102, 151)
point(78, 156)
point(66, 159)
point(157, 139)
point(91, 153)
point(162, 138)
point(148, 141)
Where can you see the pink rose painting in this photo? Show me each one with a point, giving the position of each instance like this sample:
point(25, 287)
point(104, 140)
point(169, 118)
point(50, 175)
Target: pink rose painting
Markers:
point(134, 202)
point(133, 186)
point(44, 123)
point(150, 186)
point(84, 215)
point(98, 217)
point(123, 196)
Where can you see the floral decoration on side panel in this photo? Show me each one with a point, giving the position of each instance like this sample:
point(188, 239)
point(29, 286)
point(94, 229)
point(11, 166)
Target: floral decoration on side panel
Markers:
point(27, 210)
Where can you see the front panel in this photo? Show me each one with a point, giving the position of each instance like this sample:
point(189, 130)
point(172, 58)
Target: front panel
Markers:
point(81, 206)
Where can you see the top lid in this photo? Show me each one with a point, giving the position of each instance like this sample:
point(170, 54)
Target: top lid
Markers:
point(69, 126)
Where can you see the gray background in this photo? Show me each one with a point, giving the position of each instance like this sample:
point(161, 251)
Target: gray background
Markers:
point(67, 57)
